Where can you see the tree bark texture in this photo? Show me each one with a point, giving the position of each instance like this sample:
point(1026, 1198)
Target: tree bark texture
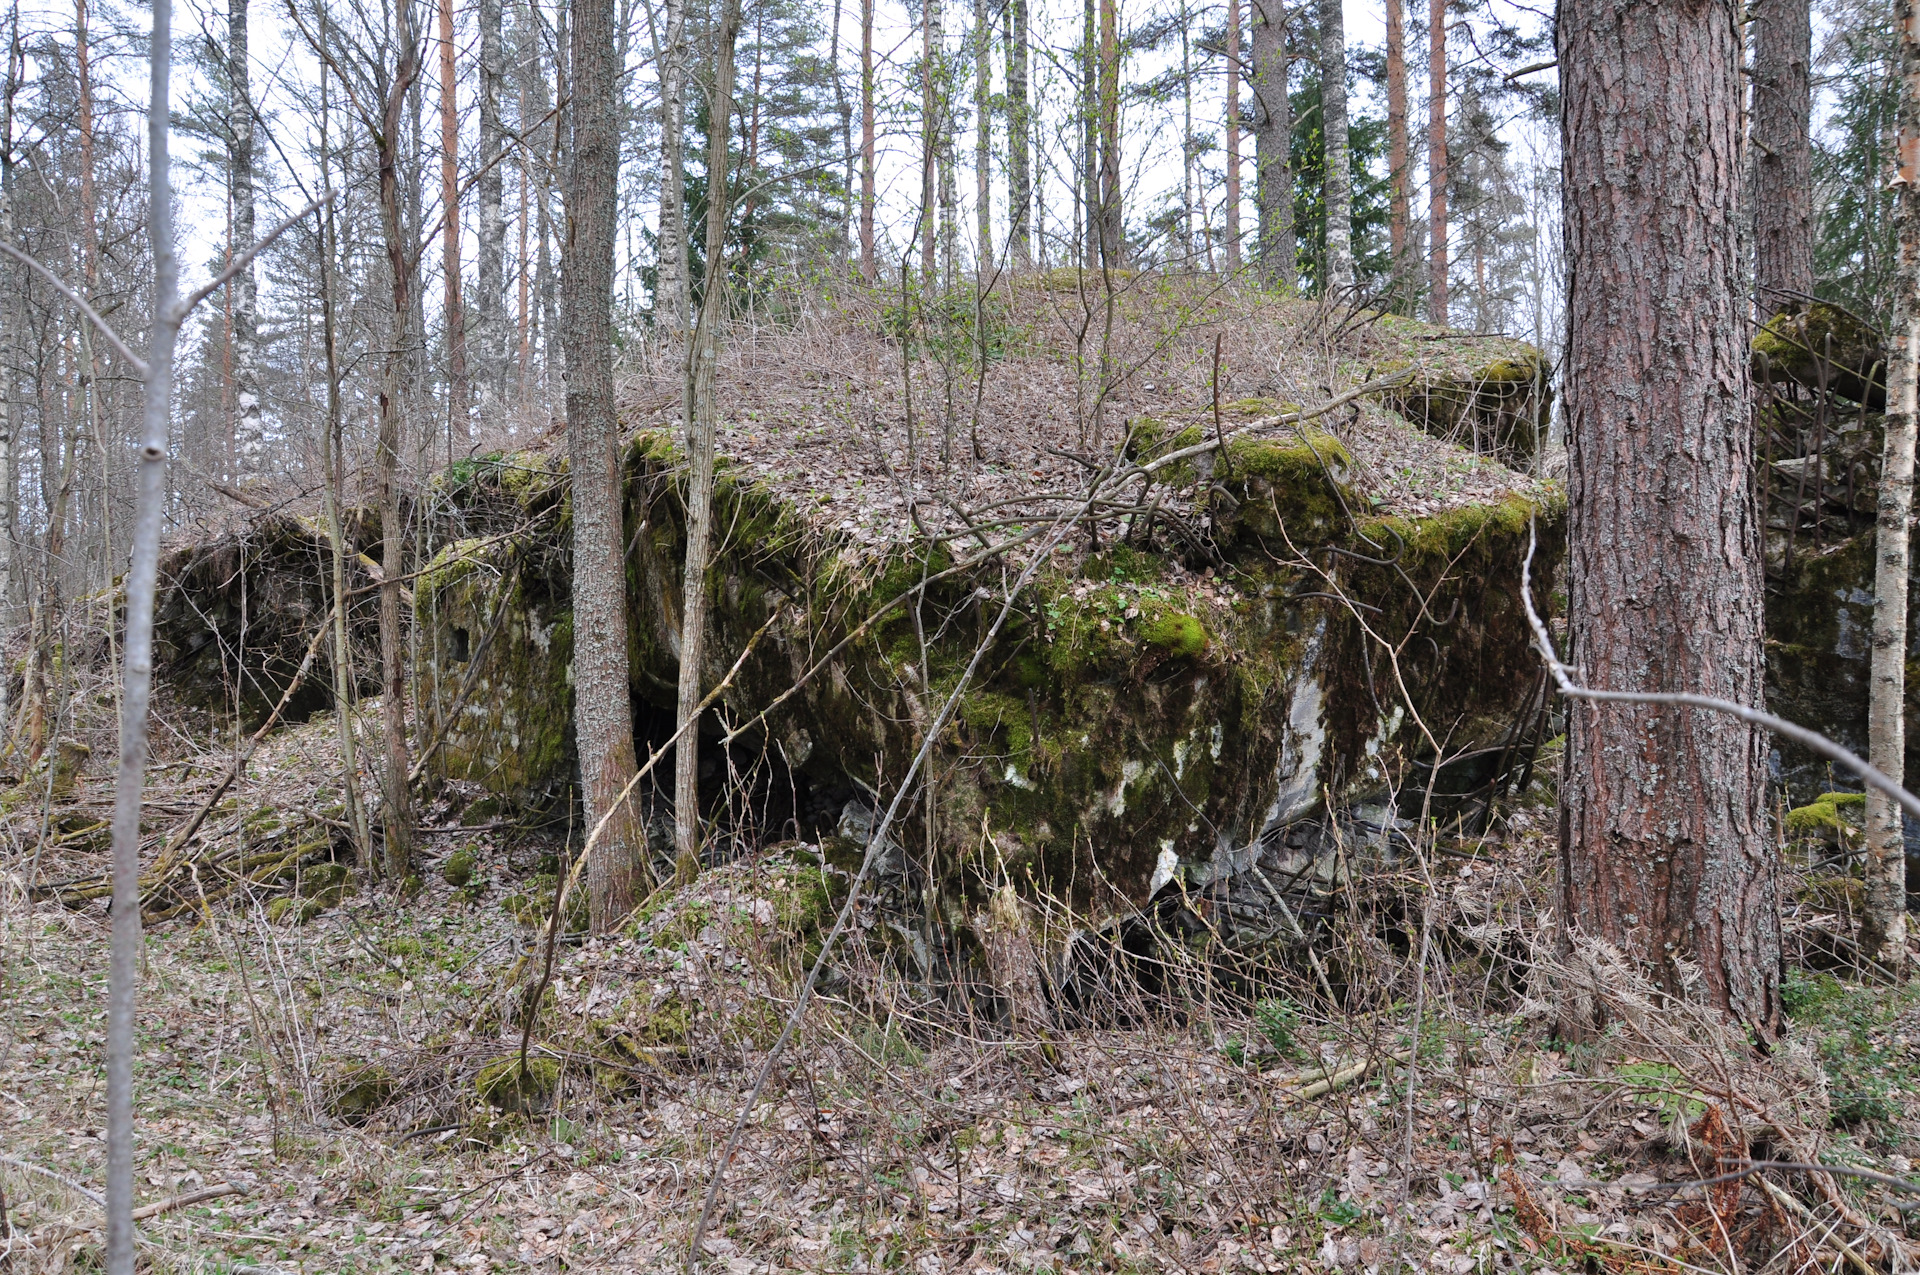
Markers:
point(1665, 848)
point(249, 430)
point(137, 669)
point(1399, 153)
point(869, 264)
point(10, 324)
point(983, 139)
point(1113, 231)
point(603, 708)
point(1437, 161)
point(1232, 219)
point(490, 270)
point(929, 138)
point(1338, 191)
point(702, 413)
point(1019, 175)
point(1272, 146)
point(944, 86)
point(671, 292)
point(396, 802)
point(458, 430)
point(1783, 155)
point(1883, 922)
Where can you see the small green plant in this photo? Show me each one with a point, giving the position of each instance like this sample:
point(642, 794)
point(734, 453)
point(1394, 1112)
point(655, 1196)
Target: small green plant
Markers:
point(1338, 1212)
point(1235, 1051)
point(1277, 1020)
point(1664, 1088)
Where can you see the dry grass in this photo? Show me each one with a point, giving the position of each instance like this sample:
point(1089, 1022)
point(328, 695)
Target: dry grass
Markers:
point(1170, 1132)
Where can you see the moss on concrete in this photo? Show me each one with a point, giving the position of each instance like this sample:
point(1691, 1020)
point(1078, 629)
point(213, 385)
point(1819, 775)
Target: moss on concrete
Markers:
point(1496, 404)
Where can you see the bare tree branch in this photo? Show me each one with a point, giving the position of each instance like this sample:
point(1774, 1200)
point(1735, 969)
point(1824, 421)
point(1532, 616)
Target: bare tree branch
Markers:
point(113, 338)
point(244, 260)
point(1778, 725)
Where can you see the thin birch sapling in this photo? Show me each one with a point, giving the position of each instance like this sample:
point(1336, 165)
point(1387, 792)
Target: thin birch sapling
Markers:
point(156, 374)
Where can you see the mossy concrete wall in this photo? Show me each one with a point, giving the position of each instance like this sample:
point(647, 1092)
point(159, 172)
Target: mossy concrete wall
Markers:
point(1496, 406)
point(234, 616)
point(1130, 724)
point(1819, 642)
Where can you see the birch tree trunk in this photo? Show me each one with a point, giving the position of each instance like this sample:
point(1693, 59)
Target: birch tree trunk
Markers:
point(1338, 190)
point(929, 139)
point(602, 703)
point(670, 300)
point(1272, 145)
point(1883, 923)
point(944, 137)
point(1019, 132)
point(1231, 227)
point(249, 429)
point(10, 323)
point(458, 429)
point(137, 667)
point(1437, 161)
point(1665, 849)
point(983, 139)
point(1782, 156)
point(702, 415)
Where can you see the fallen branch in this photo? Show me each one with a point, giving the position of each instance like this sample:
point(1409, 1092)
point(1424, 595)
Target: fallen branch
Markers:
point(1347, 1075)
point(61, 1178)
point(185, 1198)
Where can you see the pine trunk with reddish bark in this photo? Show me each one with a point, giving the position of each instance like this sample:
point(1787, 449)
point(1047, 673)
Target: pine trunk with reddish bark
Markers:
point(1665, 850)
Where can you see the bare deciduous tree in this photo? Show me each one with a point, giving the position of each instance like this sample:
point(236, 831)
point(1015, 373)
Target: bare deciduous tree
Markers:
point(1883, 922)
point(702, 416)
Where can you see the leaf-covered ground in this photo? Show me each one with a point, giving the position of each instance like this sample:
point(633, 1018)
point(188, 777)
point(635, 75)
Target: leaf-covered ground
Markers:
point(332, 1070)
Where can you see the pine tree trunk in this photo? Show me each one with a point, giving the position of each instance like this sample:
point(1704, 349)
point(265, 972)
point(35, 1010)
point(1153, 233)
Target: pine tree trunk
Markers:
point(671, 293)
point(869, 264)
point(1665, 851)
point(1883, 922)
point(1019, 178)
point(1231, 228)
point(1782, 156)
point(490, 269)
point(983, 139)
point(702, 413)
point(1338, 190)
point(602, 704)
point(1399, 153)
point(1272, 146)
point(458, 428)
point(1437, 161)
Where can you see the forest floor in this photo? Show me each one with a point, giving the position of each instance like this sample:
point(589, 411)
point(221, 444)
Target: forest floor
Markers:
point(333, 1072)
